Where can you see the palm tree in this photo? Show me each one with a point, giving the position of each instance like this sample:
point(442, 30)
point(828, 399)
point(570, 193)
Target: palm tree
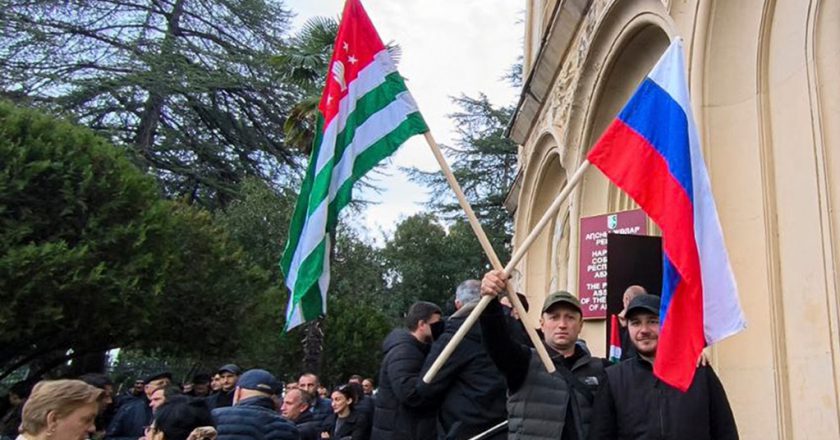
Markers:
point(304, 63)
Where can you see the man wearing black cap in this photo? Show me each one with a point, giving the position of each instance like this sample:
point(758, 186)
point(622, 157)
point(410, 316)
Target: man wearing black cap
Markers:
point(543, 405)
point(134, 415)
point(229, 375)
point(201, 386)
point(253, 414)
point(634, 404)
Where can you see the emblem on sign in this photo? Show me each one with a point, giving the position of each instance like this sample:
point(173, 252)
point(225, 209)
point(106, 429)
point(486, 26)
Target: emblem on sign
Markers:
point(612, 221)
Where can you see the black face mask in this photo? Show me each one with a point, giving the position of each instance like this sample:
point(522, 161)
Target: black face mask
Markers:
point(437, 329)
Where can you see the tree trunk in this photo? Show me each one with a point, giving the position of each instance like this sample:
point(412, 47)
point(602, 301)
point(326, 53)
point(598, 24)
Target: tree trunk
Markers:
point(88, 363)
point(149, 119)
point(313, 346)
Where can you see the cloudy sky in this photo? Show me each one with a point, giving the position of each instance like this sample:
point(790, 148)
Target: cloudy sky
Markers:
point(449, 47)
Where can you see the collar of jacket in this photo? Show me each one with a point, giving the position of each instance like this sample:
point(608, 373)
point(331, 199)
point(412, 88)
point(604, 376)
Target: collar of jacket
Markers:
point(465, 310)
point(261, 401)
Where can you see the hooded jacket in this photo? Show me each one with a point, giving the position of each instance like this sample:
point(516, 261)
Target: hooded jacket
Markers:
point(401, 412)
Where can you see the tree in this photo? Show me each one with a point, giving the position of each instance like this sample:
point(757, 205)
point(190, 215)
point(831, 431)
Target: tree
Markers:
point(81, 231)
point(187, 86)
point(356, 322)
point(484, 162)
point(304, 63)
point(420, 264)
point(91, 258)
point(258, 221)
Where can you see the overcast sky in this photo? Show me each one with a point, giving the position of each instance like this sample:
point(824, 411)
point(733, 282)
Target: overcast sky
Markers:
point(449, 47)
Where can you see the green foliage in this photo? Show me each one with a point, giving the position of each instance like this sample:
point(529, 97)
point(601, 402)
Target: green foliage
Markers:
point(81, 233)
point(356, 322)
point(258, 222)
point(186, 86)
point(427, 262)
point(484, 162)
point(91, 258)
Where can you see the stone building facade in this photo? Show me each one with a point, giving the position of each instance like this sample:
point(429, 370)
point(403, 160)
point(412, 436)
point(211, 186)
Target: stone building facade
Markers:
point(764, 85)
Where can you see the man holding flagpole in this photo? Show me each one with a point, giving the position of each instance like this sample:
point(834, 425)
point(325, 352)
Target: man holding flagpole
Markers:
point(543, 405)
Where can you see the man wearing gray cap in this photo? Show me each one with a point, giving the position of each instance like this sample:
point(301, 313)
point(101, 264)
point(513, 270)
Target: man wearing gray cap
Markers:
point(634, 404)
point(544, 405)
point(229, 375)
point(253, 414)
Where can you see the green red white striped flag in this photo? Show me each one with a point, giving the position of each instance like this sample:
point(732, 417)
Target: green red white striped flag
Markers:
point(366, 113)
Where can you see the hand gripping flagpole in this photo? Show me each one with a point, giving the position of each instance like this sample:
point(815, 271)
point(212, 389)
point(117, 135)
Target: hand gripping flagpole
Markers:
point(517, 256)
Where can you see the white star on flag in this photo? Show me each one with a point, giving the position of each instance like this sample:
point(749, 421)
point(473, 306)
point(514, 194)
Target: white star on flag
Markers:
point(352, 59)
point(346, 46)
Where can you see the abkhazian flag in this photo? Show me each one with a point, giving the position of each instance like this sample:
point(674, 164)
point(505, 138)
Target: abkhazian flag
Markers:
point(366, 113)
point(615, 340)
point(652, 152)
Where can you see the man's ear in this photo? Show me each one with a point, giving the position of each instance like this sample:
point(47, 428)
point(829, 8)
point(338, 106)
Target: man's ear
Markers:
point(52, 421)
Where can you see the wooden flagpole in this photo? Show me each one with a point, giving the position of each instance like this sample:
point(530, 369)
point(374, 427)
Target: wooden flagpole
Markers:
point(517, 256)
point(494, 261)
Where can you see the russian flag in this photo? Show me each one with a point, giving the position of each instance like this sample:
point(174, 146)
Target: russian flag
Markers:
point(652, 152)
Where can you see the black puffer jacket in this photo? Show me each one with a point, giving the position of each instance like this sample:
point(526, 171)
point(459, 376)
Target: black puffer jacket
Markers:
point(472, 389)
point(253, 419)
point(401, 413)
point(635, 405)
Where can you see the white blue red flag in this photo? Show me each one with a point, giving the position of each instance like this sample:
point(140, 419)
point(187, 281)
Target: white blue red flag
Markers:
point(652, 152)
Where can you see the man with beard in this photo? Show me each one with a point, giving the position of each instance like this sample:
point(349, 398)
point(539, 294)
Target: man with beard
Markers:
point(401, 413)
point(635, 404)
point(228, 374)
point(321, 407)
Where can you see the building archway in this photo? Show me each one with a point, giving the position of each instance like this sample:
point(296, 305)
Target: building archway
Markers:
point(625, 46)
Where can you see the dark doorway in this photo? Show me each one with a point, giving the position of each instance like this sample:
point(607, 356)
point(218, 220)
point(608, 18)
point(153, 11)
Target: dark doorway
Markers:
point(631, 259)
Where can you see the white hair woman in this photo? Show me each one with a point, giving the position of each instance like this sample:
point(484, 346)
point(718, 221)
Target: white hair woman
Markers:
point(60, 410)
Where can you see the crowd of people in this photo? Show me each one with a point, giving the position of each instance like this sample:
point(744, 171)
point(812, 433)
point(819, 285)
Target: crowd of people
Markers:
point(493, 386)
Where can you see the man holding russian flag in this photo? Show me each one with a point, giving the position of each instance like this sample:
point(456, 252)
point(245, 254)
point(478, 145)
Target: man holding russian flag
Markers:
point(652, 152)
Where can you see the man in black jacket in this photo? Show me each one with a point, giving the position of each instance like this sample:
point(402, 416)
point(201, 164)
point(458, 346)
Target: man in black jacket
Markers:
point(543, 405)
point(295, 408)
point(253, 415)
point(401, 413)
point(133, 416)
point(472, 389)
point(228, 377)
point(634, 404)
